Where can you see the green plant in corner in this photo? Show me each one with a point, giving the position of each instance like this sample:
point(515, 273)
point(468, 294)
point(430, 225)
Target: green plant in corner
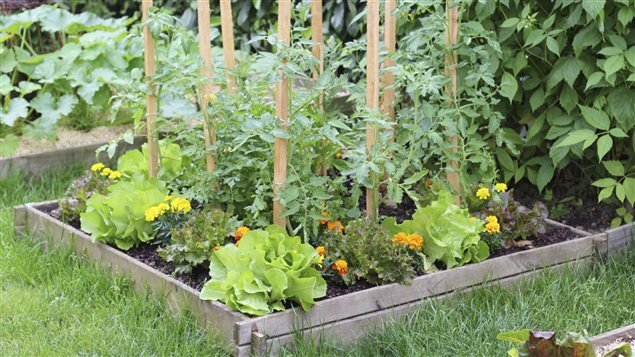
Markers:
point(267, 269)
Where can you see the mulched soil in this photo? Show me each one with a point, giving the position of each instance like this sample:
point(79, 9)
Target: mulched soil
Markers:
point(552, 236)
point(567, 205)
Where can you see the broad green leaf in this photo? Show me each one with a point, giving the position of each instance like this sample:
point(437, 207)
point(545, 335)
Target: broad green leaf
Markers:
point(570, 70)
point(520, 336)
point(621, 103)
point(27, 87)
point(510, 22)
point(568, 98)
point(553, 46)
point(611, 51)
point(509, 86)
point(618, 133)
point(576, 137)
point(605, 182)
point(613, 65)
point(598, 119)
point(630, 56)
point(625, 15)
point(620, 193)
point(593, 7)
point(615, 168)
point(629, 189)
point(604, 144)
point(8, 145)
point(5, 85)
point(545, 174)
point(537, 99)
point(594, 79)
point(18, 108)
point(605, 193)
point(7, 60)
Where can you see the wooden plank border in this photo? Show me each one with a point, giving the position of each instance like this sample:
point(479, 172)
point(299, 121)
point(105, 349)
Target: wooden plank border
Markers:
point(214, 316)
point(334, 316)
point(610, 337)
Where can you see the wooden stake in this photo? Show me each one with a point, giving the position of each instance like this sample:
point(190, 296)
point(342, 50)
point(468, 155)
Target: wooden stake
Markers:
point(151, 98)
point(372, 94)
point(390, 42)
point(318, 51)
point(227, 31)
point(282, 111)
point(205, 49)
point(451, 59)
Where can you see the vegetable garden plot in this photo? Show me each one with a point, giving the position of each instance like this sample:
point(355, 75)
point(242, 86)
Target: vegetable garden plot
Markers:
point(338, 316)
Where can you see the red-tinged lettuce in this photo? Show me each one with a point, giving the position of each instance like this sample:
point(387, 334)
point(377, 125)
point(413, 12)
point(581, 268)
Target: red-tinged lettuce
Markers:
point(266, 269)
point(545, 343)
point(119, 217)
point(450, 236)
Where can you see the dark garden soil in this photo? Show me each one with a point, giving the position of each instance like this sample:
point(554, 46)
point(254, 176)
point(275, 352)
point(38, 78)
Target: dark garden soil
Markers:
point(147, 253)
point(567, 205)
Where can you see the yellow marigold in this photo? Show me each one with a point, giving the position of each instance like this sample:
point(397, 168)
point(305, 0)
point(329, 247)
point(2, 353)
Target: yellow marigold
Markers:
point(326, 215)
point(210, 98)
point(501, 187)
point(216, 248)
point(493, 227)
point(335, 226)
point(341, 267)
point(338, 155)
point(240, 232)
point(320, 260)
point(106, 171)
point(491, 219)
point(181, 205)
point(483, 193)
point(152, 213)
point(97, 167)
point(167, 198)
point(114, 175)
point(163, 207)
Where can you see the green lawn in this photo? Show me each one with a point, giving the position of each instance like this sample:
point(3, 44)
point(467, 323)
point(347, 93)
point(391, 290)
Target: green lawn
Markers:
point(59, 304)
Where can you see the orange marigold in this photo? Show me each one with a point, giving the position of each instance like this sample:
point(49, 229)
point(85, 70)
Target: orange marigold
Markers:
point(341, 267)
point(324, 221)
point(320, 250)
point(413, 241)
point(240, 232)
point(335, 226)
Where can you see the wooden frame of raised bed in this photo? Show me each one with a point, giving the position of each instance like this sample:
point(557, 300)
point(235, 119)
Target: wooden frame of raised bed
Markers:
point(611, 336)
point(34, 165)
point(343, 317)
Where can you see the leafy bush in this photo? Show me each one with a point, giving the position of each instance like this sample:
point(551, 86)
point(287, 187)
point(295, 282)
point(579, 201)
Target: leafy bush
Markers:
point(265, 270)
point(450, 236)
point(516, 221)
point(193, 243)
point(168, 216)
point(79, 191)
point(60, 64)
point(119, 216)
point(370, 254)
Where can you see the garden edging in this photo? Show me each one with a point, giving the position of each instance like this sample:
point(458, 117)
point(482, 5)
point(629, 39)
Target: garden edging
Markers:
point(342, 317)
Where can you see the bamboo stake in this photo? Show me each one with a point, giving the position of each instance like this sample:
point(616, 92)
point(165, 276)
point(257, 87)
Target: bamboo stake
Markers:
point(390, 42)
point(151, 98)
point(282, 111)
point(372, 94)
point(451, 59)
point(205, 49)
point(318, 52)
point(227, 31)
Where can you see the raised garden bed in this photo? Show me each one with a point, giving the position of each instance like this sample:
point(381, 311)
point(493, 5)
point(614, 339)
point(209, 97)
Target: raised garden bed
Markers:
point(34, 165)
point(343, 317)
point(606, 340)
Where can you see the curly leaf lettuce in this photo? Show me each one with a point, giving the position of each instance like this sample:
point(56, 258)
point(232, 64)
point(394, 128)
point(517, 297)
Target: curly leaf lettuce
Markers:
point(449, 234)
point(265, 270)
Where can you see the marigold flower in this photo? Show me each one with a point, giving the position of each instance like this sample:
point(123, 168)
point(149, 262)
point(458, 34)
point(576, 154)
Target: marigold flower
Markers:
point(335, 226)
point(210, 98)
point(341, 267)
point(483, 193)
point(114, 175)
point(216, 248)
point(320, 260)
point(167, 198)
point(97, 167)
point(491, 219)
point(338, 155)
point(324, 221)
point(106, 171)
point(181, 205)
point(320, 250)
point(501, 187)
point(413, 241)
point(240, 232)
point(493, 227)
point(152, 213)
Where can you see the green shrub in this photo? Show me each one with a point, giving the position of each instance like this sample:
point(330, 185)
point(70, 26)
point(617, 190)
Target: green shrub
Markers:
point(193, 243)
point(264, 271)
point(79, 191)
point(370, 253)
point(518, 222)
point(119, 217)
point(450, 236)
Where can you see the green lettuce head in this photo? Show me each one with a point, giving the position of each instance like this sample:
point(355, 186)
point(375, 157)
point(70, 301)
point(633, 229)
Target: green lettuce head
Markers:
point(449, 234)
point(267, 268)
